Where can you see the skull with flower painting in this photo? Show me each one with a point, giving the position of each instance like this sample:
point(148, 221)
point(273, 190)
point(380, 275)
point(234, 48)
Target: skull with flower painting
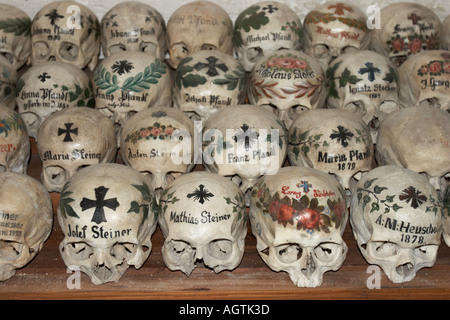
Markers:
point(203, 218)
point(133, 26)
point(8, 83)
point(365, 83)
point(334, 141)
point(71, 139)
point(195, 26)
point(424, 80)
point(49, 87)
point(287, 82)
point(264, 28)
point(15, 32)
point(242, 143)
point(406, 29)
point(396, 220)
point(14, 142)
point(206, 81)
point(417, 138)
point(298, 217)
point(128, 82)
point(108, 214)
point(65, 31)
point(334, 28)
point(159, 143)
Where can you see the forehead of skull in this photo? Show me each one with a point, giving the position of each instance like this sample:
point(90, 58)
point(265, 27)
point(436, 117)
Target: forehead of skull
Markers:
point(365, 64)
point(10, 12)
point(8, 73)
point(131, 14)
point(419, 137)
point(412, 207)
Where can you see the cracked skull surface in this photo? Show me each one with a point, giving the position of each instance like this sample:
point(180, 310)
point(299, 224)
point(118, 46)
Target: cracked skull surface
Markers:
point(66, 31)
point(203, 218)
point(71, 139)
point(107, 214)
point(298, 217)
point(395, 216)
point(26, 217)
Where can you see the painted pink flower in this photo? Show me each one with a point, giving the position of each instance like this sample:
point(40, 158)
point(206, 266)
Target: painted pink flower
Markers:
point(435, 67)
point(156, 131)
point(145, 133)
point(169, 131)
point(415, 46)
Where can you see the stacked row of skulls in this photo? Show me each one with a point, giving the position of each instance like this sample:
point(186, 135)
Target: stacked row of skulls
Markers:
point(299, 127)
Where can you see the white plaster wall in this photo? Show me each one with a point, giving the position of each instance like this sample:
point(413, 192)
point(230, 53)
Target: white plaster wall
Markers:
point(233, 7)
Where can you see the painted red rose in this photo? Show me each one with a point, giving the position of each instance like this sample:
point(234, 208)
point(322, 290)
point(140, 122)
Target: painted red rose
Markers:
point(398, 45)
point(285, 213)
point(435, 67)
point(156, 131)
point(447, 67)
point(309, 218)
point(415, 46)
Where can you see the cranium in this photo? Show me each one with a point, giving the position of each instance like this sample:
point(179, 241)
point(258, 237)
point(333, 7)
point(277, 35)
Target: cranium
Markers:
point(8, 82)
point(298, 217)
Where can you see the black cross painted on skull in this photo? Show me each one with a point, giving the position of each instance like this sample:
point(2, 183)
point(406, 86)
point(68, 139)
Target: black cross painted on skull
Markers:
point(43, 77)
point(99, 203)
point(212, 66)
point(370, 70)
point(53, 15)
point(270, 8)
point(67, 131)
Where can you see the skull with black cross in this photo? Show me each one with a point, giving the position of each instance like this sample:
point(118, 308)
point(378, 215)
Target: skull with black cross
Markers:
point(203, 218)
point(298, 217)
point(71, 139)
point(107, 214)
point(65, 31)
point(396, 220)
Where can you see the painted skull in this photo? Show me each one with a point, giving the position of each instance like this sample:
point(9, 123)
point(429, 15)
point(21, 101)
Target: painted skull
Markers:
point(401, 141)
point(298, 217)
point(15, 34)
point(206, 81)
point(8, 83)
point(243, 142)
point(107, 214)
point(424, 79)
point(66, 31)
point(159, 142)
point(198, 25)
point(287, 82)
point(133, 26)
point(264, 28)
point(396, 220)
point(26, 217)
point(203, 217)
point(72, 139)
point(334, 141)
point(14, 142)
point(406, 29)
point(445, 34)
point(366, 83)
point(127, 82)
point(49, 87)
point(334, 28)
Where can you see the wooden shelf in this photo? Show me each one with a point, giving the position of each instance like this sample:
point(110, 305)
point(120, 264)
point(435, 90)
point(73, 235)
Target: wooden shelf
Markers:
point(46, 276)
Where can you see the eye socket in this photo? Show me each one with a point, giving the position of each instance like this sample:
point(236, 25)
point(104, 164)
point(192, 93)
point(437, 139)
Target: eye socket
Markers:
point(117, 48)
point(355, 106)
point(148, 47)
point(432, 102)
point(348, 49)
point(178, 51)
point(124, 250)
point(253, 54)
point(79, 250)
point(68, 51)
point(40, 50)
point(8, 57)
point(327, 251)
point(30, 119)
point(207, 46)
point(388, 106)
point(178, 248)
point(10, 250)
point(398, 60)
point(220, 249)
point(384, 249)
point(321, 51)
point(56, 175)
point(289, 252)
point(426, 252)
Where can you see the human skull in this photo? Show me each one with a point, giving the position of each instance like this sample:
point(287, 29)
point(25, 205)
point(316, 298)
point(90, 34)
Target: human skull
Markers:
point(203, 217)
point(15, 32)
point(159, 142)
point(133, 26)
point(287, 82)
point(395, 216)
point(198, 25)
point(243, 142)
point(127, 82)
point(14, 142)
point(334, 28)
point(366, 83)
point(424, 79)
point(48, 87)
point(264, 28)
point(298, 217)
point(445, 34)
point(8, 82)
point(206, 81)
point(65, 31)
point(416, 138)
point(72, 139)
point(334, 141)
point(406, 29)
point(26, 221)
point(107, 214)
